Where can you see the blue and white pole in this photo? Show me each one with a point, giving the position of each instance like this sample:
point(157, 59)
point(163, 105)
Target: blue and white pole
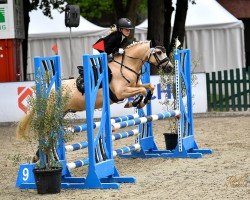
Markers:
point(117, 136)
point(83, 127)
point(120, 151)
point(143, 120)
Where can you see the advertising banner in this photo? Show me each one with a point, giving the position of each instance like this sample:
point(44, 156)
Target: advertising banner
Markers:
point(11, 20)
point(14, 96)
point(4, 22)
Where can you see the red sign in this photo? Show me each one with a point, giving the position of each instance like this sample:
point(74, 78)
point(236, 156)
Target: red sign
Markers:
point(23, 94)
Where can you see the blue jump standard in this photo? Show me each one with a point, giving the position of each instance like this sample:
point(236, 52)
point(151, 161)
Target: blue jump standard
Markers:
point(103, 174)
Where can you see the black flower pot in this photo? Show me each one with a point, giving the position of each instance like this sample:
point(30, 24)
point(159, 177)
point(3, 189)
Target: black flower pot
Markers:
point(170, 140)
point(48, 181)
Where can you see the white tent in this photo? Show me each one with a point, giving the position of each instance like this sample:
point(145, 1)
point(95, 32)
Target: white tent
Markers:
point(215, 37)
point(45, 32)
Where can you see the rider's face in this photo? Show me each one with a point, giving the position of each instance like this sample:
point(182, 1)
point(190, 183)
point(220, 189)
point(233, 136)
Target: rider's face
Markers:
point(125, 31)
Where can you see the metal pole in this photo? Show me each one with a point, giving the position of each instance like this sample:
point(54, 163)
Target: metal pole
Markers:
point(71, 60)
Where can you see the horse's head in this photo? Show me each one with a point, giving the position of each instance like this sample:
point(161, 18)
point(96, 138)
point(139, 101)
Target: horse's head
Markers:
point(159, 58)
point(140, 52)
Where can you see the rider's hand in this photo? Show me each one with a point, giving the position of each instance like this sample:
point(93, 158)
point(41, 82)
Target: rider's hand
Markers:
point(121, 51)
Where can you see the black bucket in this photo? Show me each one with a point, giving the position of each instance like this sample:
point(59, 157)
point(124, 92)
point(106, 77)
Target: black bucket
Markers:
point(48, 181)
point(170, 140)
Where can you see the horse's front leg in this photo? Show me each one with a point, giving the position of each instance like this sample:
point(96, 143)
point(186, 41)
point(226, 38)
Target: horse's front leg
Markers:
point(139, 102)
point(148, 86)
point(133, 91)
point(141, 91)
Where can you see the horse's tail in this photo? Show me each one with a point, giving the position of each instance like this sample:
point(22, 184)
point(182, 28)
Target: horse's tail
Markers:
point(23, 125)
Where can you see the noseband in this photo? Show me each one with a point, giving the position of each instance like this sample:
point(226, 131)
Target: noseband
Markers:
point(159, 62)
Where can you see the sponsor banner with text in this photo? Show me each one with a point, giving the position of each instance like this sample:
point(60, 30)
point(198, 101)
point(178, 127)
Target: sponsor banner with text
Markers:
point(13, 101)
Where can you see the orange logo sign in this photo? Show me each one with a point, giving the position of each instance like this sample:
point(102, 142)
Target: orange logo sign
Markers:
point(23, 94)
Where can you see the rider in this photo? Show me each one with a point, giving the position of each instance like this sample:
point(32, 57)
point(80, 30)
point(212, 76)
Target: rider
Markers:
point(111, 44)
point(116, 40)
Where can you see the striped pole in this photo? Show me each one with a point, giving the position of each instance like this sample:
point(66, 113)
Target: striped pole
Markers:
point(125, 134)
point(76, 146)
point(80, 128)
point(143, 120)
point(133, 147)
point(123, 124)
point(78, 163)
point(117, 136)
point(83, 162)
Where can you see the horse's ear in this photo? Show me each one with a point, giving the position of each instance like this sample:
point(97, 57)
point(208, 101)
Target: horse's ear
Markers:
point(162, 48)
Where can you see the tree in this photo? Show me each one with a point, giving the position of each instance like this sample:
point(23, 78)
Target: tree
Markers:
point(159, 35)
point(168, 10)
point(127, 9)
point(91, 9)
point(105, 13)
point(94, 10)
point(156, 22)
point(29, 5)
point(179, 23)
point(26, 6)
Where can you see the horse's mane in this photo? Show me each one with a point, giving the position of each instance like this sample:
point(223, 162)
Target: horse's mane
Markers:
point(136, 43)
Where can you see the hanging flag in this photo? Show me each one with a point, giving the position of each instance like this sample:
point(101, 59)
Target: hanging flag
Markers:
point(55, 49)
point(99, 45)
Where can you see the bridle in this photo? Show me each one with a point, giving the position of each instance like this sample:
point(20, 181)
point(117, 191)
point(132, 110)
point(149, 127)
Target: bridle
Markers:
point(152, 53)
point(128, 68)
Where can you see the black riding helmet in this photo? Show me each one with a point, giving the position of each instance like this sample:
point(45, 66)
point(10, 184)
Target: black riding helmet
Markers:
point(124, 23)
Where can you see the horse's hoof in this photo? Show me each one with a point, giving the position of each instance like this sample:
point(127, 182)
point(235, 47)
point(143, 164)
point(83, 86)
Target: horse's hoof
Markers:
point(178, 116)
point(137, 101)
point(152, 86)
point(35, 159)
point(128, 105)
point(141, 105)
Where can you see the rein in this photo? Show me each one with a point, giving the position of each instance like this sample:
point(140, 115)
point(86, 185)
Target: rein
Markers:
point(128, 68)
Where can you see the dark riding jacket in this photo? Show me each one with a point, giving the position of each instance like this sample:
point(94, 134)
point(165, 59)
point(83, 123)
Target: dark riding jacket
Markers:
point(113, 42)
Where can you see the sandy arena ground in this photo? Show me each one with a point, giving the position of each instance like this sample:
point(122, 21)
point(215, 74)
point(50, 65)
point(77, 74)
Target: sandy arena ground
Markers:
point(225, 174)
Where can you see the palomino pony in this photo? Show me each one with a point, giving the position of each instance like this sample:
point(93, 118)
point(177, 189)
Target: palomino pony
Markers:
point(125, 82)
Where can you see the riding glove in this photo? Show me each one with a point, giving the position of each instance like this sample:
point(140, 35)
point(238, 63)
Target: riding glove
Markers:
point(121, 51)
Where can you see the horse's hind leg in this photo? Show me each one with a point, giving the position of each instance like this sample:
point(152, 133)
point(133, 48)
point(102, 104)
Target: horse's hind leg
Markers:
point(35, 157)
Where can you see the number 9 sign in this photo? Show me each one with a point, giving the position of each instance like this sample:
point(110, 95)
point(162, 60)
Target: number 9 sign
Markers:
point(25, 175)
